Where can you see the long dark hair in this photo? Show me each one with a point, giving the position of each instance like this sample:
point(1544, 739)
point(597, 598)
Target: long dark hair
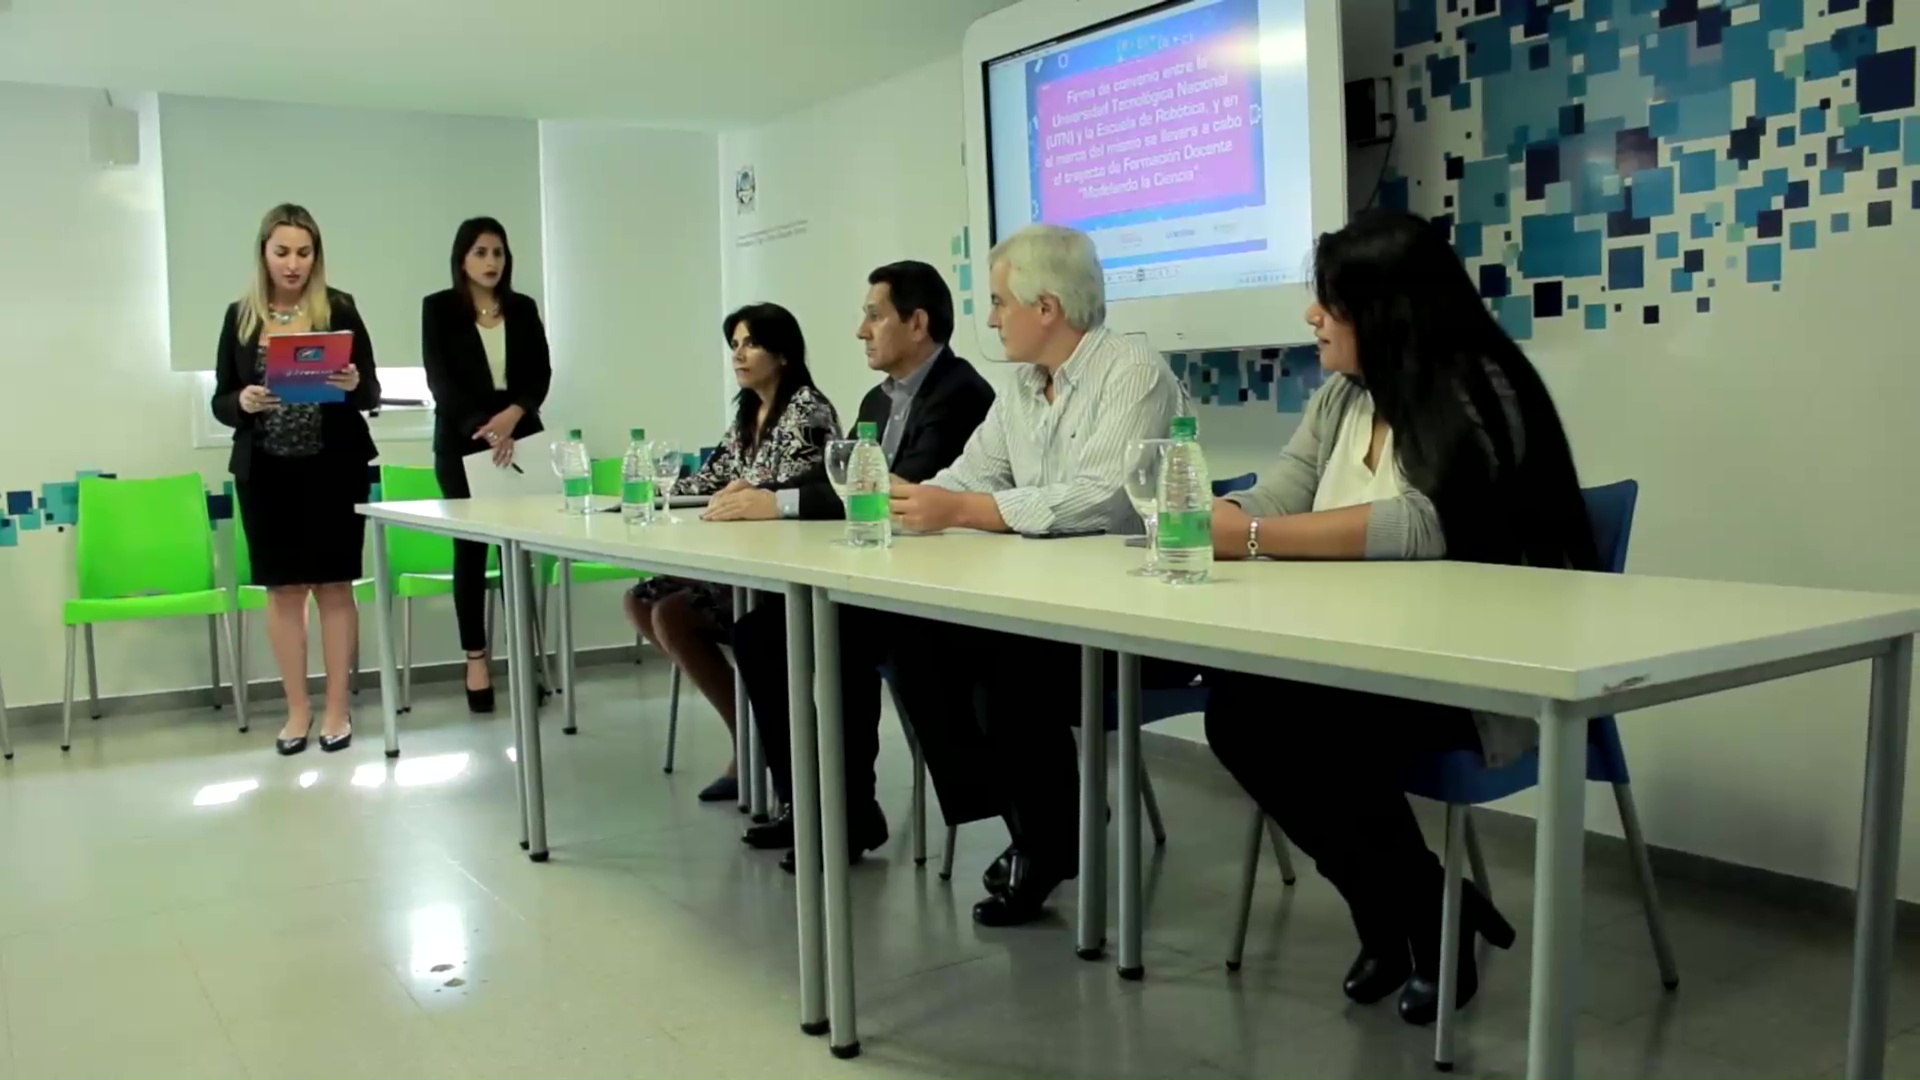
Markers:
point(1436, 363)
point(774, 329)
point(469, 234)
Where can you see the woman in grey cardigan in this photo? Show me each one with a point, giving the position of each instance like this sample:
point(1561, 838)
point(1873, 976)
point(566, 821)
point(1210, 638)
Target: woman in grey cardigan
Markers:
point(1434, 438)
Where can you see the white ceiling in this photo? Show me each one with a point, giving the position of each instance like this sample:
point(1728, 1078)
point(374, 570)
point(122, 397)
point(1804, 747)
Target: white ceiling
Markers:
point(683, 63)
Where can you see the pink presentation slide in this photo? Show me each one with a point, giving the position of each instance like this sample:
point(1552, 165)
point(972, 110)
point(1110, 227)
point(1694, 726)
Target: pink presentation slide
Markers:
point(1173, 127)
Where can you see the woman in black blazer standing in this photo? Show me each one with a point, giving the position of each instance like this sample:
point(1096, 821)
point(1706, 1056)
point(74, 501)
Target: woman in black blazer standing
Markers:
point(485, 351)
point(298, 469)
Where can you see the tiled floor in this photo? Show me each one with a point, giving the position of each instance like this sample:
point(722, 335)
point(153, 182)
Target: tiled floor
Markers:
point(174, 899)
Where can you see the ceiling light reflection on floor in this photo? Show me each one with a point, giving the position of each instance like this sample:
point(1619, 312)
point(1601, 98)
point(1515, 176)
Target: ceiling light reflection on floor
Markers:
point(438, 940)
point(309, 778)
point(372, 774)
point(438, 769)
point(230, 791)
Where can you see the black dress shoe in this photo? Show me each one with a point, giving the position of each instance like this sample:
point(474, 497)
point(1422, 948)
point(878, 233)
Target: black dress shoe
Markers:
point(772, 836)
point(1024, 899)
point(335, 743)
point(1420, 1000)
point(1374, 975)
point(290, 747)
point(869, 834)
point(998, 871)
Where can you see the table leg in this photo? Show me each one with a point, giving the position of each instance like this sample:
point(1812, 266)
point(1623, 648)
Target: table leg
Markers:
point(1560, 837)
point(806, 809)
point(1090, 930)
point(845, 1040)
point(1873, 920)
point(1132, 966)
point(565, 572)
point(754, 780)
point(742, 721)
point(383, 638)
point(509, 601)
point(526, 651)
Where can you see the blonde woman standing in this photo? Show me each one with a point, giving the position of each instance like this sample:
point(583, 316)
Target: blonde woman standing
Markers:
point(298, 469)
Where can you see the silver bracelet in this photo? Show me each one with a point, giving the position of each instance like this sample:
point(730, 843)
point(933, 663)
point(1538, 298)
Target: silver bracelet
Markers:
point(1253, 538)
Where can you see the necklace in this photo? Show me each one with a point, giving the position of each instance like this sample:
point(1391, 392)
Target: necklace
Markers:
point(490, 312)
point(285, 317)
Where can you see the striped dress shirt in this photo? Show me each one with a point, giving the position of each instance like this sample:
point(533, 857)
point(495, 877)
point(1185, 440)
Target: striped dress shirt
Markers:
point(1060, 465)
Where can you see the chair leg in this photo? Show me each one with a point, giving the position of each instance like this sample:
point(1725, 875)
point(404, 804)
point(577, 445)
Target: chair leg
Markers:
point(540, 637)
point(406, 652)
point(213, 656)
point(66, 706)
point(93, 679)
point(570, 713)
point(1152, 802)
point(1475, 860)
point(1643, 877)
point(1282, 852)
point(239, 675)
point(1249, 873)
point(946, 859)
point(240, 645)
point(1449, 938)
point(918, 814)
point(673, 714)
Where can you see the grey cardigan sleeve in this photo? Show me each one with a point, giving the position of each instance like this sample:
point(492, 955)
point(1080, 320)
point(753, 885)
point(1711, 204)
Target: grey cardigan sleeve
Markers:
point(1404, 527)
point(1288, 487)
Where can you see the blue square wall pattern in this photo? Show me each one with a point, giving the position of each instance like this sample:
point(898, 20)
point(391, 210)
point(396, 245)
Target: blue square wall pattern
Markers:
point(1621, 116)
point(19, 502)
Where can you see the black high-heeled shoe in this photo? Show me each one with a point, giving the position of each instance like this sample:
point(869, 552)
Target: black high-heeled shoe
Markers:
point(1420, 1000)
point(289, 747)
point(480, 701)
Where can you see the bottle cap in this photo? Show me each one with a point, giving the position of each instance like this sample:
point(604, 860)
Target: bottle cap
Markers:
point(866, 430)
point(573, 434)
point(638, 434)
point(1184, 427)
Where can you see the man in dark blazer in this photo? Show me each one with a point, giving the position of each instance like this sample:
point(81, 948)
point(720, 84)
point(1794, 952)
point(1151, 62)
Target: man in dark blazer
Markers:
point(925, 411)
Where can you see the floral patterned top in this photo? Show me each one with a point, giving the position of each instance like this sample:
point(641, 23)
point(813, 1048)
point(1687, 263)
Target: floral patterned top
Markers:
point(795, 443)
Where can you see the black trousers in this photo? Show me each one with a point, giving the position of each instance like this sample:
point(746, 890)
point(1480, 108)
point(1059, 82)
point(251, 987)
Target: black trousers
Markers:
point(469, 560)
point(760, 651)
point(1326, 764)
point(994, 714)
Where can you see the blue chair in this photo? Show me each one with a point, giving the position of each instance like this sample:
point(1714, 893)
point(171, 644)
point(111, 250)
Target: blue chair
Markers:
point(1155, 705)
point(1461, 780)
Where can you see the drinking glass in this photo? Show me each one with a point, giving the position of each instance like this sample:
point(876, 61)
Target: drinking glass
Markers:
point(839, 457)
point(1144, 458)
point(667, 462)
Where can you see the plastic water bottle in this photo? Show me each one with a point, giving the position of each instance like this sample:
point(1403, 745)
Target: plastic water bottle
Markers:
point(576, 473)
point(1186, 509)
point(636, 479)
point(869, 492)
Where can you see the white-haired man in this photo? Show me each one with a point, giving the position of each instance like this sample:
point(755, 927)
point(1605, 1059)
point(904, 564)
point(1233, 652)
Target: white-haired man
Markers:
point(1049, 457)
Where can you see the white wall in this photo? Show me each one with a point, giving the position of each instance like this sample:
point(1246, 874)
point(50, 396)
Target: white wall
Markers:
point(874, 177)
point(632, 288)
point(1767, 436)
point(83, 355)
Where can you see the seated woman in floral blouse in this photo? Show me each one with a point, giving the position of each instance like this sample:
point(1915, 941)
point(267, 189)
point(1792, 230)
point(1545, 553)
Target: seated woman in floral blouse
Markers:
point(779, 431)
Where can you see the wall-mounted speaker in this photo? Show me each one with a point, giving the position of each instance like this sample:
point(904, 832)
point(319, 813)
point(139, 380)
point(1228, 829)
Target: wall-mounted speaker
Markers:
point(114, 135)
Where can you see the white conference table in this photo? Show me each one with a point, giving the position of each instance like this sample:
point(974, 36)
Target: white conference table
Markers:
point(1559, 647)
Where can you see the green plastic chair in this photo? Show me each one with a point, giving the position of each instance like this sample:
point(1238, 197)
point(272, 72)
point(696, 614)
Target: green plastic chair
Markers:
point(422, 563)
point(607, 480)
point(251, 597)
point(144, 550)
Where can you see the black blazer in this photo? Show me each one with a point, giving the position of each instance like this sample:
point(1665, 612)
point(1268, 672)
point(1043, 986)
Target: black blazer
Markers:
point(949, 405)
point(462, 384)
point(342, 429)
